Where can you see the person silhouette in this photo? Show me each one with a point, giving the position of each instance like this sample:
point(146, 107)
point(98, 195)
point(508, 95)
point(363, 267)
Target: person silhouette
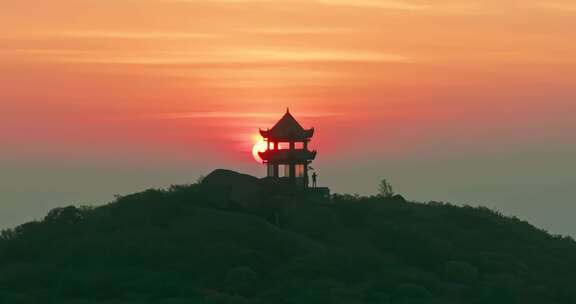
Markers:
point(314, 178)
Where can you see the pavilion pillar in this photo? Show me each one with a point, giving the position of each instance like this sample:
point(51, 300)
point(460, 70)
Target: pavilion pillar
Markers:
point(305, 174)
point(292, 171)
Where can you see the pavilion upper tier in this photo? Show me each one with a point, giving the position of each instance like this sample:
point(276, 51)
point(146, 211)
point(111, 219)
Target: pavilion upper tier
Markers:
point(287, 129)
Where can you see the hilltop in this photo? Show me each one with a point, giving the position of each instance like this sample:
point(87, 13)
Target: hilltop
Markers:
point(230, 240)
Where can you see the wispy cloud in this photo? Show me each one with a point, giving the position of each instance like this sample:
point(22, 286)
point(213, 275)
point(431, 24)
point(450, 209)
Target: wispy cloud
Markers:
point(310, 55)
point(219, 114)
point(229, 55)
point(461, 6)
point(168, 35)
point(298, 30)
point(260, 77)
point(112, 34)
point(382, 4)
point(562, 6)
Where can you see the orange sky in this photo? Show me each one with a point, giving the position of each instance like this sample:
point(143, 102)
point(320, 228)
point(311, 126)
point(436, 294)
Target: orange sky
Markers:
point(186, 83)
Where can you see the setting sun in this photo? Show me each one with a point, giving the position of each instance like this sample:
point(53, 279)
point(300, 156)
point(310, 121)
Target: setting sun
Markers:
point(259, 146)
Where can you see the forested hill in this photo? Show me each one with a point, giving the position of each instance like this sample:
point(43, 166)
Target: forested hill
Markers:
point(228, 240)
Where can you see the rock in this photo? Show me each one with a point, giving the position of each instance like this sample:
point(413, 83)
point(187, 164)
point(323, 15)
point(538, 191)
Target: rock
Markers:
point(398, 198)
point(234, 188)
point(223, 177)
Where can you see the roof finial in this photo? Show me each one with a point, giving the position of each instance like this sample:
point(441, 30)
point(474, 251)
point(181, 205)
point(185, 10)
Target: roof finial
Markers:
point(287, 109)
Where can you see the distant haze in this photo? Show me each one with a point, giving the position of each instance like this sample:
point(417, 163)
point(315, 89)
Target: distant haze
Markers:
point(461, 101)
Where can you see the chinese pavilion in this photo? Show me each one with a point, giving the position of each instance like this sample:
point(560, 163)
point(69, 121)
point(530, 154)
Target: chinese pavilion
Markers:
point(287, 155)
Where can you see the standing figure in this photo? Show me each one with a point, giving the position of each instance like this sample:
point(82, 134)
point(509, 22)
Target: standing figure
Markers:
point(314, 178)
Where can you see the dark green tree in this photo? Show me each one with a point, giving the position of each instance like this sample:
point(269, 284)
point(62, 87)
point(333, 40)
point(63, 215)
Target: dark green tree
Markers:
point(385, 189)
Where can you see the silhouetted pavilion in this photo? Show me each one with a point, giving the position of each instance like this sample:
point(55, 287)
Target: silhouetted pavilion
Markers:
point(287, 155)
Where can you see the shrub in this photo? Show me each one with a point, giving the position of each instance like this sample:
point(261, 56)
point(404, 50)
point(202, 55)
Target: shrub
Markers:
point(461, 272)
point(241, 281)
point(412, 291)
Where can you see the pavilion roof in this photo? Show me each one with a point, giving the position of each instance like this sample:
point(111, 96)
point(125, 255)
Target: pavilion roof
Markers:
point(286, 129)
point(287, 156)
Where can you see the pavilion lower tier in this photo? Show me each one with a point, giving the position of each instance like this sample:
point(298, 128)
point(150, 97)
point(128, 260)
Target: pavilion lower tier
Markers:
point(290, 170)
point(287, 156)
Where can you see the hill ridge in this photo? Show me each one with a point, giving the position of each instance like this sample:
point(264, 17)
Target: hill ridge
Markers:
point(229, 240)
